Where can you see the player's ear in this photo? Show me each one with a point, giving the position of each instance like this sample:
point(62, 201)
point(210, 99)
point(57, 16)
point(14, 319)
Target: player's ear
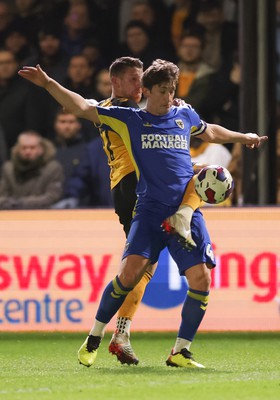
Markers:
point(115, 80)
point(146, 92)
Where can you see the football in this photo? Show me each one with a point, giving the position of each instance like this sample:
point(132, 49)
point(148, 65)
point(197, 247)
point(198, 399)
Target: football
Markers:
point(214, 184)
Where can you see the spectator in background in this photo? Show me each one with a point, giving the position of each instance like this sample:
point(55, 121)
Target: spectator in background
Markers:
point(225, 95)
point(230, 9)
point(142, 10)
point(32, 178)
point(92, 51)
point(18, 43)
point(70, 143)
point(182, 18)
point(124, 16)
point(89, 185)
point(30, 15)
point(79, 76)
point(104, 25)
point(16, 105)
point(3, 148)
point(50, 55)
point(80, 80)
point(138, 43)
point(220, 36)
point(6, 18)
point(225, 111)
point(153, 14)
point(53, 59)
point(77, 28)
point(103, 85)
point(196, 77)
point(209, 153)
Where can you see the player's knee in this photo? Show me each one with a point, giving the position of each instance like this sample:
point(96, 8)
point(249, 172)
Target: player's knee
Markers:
point(132, 269)
point(206, 281)
point(128, 278)
point(201, 280)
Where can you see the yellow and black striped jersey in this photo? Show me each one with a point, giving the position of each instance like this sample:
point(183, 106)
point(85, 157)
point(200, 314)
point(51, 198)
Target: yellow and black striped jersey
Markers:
point(118, 157)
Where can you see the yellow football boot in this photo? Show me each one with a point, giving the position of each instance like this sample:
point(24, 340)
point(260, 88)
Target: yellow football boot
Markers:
point(88, 351)
point(183, 359)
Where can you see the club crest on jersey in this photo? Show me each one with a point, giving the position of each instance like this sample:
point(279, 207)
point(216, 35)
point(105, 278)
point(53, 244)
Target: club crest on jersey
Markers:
point(180, 123)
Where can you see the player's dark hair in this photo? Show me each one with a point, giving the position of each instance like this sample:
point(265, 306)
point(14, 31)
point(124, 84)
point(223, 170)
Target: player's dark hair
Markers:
point(159, 72)
point(120, 65)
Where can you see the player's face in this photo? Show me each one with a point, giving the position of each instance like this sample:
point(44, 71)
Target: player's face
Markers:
point(128, 85)
point(160, 98)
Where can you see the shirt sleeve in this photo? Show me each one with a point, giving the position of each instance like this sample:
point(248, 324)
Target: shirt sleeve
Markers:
point(91, 102)
point(114, 118)
point(198, 126)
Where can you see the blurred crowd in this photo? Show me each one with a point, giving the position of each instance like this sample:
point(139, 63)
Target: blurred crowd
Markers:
point(49, 158)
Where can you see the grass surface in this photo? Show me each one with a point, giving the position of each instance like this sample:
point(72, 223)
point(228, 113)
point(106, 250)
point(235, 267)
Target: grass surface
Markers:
point(44, 366)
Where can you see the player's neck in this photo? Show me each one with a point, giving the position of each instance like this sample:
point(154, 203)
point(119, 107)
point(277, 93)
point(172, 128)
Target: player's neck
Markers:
point(117, 95)
point(154, 110)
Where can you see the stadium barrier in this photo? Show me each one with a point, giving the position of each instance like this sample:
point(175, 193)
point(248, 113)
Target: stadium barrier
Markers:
point(54, 265)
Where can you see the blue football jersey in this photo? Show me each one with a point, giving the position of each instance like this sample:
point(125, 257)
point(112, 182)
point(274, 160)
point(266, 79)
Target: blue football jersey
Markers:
point(158, 147)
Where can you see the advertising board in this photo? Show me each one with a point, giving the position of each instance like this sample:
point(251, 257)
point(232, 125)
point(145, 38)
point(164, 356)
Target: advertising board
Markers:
point(54, 265)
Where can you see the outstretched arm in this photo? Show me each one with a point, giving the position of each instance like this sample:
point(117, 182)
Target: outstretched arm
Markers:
point(69, 100)
point(219, 134)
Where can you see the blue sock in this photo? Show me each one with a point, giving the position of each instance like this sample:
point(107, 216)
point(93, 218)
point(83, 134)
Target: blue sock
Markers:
point(193, 312)
point(112, 298)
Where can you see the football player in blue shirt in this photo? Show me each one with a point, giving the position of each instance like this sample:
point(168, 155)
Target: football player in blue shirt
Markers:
point(157, 138)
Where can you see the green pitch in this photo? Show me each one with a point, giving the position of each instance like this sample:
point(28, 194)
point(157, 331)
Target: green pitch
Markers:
point(44, 366)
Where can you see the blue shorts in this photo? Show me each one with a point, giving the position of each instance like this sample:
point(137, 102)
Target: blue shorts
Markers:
point(147, 239)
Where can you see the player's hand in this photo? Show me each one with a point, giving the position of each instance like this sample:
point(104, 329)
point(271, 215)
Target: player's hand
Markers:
point(35, 75)
point(253, 140)
point(179, 102)
point(197, 167)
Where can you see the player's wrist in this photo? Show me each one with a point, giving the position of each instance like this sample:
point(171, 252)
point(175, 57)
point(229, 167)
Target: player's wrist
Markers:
point(48, 83)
